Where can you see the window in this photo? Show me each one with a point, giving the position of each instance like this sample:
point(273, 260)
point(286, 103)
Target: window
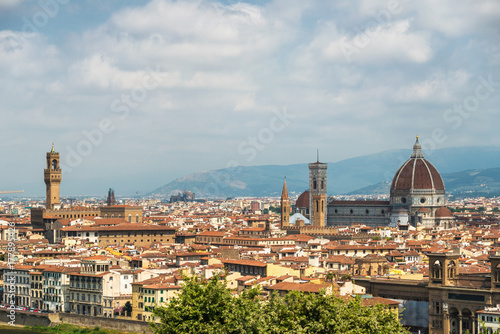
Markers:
point(437, 307)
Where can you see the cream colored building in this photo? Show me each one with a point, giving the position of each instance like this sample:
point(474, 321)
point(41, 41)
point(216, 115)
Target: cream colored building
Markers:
point(157, 295)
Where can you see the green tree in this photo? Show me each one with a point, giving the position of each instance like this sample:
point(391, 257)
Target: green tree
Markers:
point(322, 314)
point(275, 209)
point(207, 306)
point(127, 308)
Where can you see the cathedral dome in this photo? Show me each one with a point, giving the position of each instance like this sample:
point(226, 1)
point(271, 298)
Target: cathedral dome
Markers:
point(443, 212)
point(417, 173)
point(303, 200)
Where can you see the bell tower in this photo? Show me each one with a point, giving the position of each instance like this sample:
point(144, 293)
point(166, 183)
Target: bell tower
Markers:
point(285, 206)
point(317, 191)
point(443, 268)
point(52, 178)
point(495, 271)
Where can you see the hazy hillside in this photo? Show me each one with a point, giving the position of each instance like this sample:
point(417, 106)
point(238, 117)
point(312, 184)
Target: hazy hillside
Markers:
point(343, 177)
point(473, 182)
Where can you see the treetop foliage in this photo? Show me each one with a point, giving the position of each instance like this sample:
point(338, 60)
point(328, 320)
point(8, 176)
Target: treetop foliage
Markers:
point(208, 306)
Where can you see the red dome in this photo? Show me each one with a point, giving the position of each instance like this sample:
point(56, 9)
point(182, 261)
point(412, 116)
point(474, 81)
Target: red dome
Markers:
point(443, 212)
point(417, 173)
point(303, 200)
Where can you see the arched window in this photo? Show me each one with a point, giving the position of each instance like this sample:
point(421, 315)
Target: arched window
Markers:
point(314, 183)
point(452, 269)
point(322, 184)
point(438, 271)
point(54, 164)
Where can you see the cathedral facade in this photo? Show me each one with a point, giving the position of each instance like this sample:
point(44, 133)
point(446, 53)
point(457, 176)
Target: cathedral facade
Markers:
point(417, 198)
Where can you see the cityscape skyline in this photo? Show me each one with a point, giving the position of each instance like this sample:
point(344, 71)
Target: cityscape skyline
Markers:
point(128, 90)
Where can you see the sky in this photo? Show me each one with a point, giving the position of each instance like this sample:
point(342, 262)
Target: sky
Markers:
point(137, 93)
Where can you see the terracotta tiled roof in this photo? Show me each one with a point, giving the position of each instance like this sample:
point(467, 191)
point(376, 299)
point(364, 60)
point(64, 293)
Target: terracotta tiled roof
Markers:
point(417, 173)
point(379, 300)
point(162, 286)
point(443, 212)
point(246, 263)
point(305, 287)
point(120, 227)
point(303, 200)
point(360, 203)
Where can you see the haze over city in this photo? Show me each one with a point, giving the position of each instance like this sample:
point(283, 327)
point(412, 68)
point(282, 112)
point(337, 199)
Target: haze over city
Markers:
point(137, 93)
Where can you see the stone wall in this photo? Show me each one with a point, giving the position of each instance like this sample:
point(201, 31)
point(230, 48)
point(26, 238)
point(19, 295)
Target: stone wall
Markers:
point(26, 318)
point(41, 319)
point(109, 323)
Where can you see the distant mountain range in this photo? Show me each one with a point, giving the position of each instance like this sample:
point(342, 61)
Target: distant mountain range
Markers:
point(469, 183)
point(464, 170)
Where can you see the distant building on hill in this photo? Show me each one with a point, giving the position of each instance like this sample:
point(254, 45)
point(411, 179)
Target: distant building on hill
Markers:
point(186, 196)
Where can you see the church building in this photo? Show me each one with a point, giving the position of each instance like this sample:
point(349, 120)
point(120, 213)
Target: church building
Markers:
point(417, 198)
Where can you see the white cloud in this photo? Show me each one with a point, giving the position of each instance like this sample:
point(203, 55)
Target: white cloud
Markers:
point(225, 67)
point(377, 44)
point(457, 18)
point(26, 55)
point(439, 87)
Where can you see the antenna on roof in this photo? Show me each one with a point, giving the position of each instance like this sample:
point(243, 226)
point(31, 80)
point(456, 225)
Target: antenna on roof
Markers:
point(317, 155)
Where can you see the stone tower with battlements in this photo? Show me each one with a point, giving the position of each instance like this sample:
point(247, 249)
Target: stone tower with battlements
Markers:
point(52, 178)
